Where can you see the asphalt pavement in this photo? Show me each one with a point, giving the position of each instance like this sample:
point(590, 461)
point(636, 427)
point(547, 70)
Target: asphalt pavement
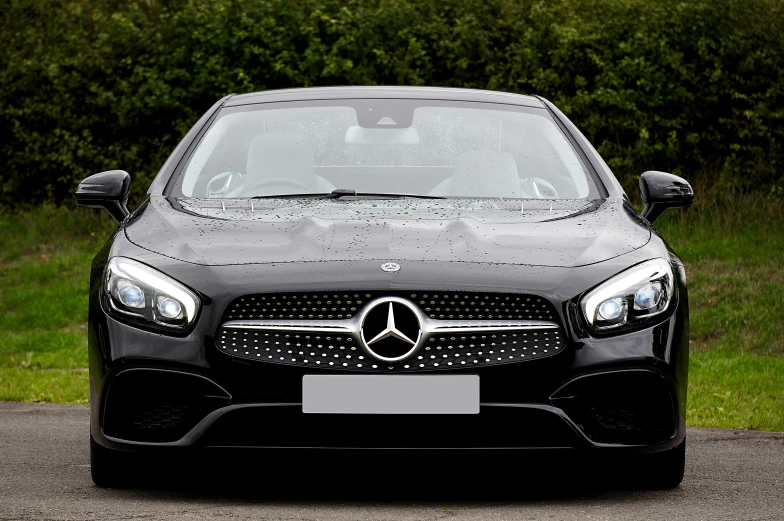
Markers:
point(45, 474)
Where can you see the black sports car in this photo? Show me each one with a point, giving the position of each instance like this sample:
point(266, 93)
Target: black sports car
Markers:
point(329, 267)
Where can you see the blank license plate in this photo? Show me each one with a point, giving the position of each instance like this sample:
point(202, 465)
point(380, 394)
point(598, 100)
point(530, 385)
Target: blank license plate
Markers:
point(390, 394)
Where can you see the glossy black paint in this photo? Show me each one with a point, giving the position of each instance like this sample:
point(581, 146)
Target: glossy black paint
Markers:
point(225, 249)
point(543, 233)
point(107, 190)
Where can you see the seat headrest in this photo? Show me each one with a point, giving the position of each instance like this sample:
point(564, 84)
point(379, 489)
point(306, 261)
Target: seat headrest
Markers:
point(485, 173)
point(281, 154)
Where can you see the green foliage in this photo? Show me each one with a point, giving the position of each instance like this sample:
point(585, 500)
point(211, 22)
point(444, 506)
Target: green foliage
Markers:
point(685, 86)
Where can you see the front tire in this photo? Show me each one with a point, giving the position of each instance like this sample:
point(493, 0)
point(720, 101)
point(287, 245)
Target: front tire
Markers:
point(664, 470)
point(109, 468)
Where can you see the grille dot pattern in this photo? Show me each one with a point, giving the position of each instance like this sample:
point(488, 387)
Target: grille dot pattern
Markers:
point(436, 305)
point(161, 418)
point(283, 347)
point(318, 306)
point(487, 306)
point(441, 352)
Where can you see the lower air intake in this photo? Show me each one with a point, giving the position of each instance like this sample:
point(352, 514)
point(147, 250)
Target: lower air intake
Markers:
point(628, 407)
point(157, 405)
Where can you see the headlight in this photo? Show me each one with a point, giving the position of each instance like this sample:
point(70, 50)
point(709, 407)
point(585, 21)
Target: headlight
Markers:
point(630, 297)
point(139, 294)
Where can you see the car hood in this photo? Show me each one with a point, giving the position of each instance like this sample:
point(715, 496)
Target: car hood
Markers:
point(537, 233)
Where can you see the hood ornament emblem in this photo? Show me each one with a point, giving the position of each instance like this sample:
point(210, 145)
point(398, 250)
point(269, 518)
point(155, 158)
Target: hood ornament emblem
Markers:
point(390, 267)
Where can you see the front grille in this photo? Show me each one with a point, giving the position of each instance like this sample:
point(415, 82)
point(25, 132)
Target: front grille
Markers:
point(449, 305)
point(339, 351)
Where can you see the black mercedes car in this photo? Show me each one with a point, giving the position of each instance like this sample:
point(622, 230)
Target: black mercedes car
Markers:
point(332, 267)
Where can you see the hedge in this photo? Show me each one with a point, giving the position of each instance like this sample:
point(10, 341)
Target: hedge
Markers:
point(693, 87)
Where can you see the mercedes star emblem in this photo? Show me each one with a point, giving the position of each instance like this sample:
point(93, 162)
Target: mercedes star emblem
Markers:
point(390, 267)
point(391, 329)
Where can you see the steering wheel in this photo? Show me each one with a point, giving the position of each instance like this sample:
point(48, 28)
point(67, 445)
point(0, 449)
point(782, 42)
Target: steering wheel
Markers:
point(283, 182)
point(541, 188)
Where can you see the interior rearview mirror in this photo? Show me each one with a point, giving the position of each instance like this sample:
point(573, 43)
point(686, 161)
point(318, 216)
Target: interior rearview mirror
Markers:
point(661, 190)
point(106, 190)
point(356, 135)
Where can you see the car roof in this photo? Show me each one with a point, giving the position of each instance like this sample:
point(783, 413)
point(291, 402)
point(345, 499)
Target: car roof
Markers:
point(433, 93)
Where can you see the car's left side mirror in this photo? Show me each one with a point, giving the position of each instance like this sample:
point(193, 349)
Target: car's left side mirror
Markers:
point(661, 190)
point(106, 190)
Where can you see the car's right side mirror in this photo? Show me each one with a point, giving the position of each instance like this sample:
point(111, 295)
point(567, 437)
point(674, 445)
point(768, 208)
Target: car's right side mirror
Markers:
point(106, 190)
point(661, 190)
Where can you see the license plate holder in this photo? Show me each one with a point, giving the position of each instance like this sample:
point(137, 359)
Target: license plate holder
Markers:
point(390, 394)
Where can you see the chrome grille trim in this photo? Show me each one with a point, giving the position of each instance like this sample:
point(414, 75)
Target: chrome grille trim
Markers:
point(296, 326)
point(352, 326)
point(474, 326)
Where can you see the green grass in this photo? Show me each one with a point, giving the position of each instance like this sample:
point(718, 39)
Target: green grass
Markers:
point(44, 274)
point(733, 249)
point(738, 391)
point(30, 384)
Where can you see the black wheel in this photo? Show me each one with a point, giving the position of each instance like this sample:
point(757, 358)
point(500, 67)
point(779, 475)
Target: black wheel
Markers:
point(109, 468)
point(664, 469)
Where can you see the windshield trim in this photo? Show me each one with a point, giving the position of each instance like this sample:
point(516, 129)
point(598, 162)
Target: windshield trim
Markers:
point(386, 92)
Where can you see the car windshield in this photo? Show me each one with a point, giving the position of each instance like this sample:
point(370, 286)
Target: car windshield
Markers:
point(379, 147)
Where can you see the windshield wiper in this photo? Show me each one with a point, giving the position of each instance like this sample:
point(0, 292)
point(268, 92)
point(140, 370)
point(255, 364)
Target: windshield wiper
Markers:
point(344, 192)
point(290, 196)
point(347, 192)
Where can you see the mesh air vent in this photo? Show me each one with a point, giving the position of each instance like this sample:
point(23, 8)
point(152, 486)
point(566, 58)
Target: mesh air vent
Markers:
point(164, 417)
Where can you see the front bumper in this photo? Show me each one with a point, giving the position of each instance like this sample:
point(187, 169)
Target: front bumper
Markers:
point(145, 407)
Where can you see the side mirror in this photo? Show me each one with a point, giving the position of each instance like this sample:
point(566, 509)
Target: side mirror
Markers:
point(661, 190)
point(106, 190)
